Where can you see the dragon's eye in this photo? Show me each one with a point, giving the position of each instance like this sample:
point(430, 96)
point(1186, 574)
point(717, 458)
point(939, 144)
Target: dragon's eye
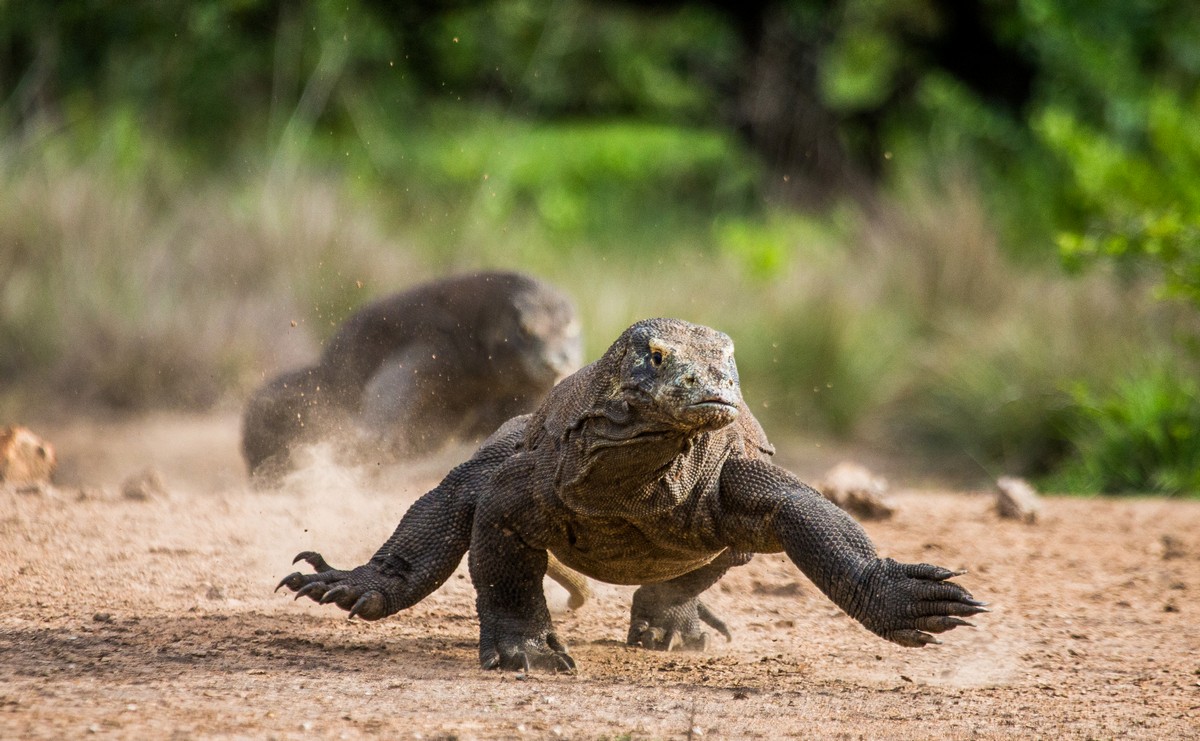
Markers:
point(656, 358)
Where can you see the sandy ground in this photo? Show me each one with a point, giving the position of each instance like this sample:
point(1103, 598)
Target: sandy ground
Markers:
point(154, 618)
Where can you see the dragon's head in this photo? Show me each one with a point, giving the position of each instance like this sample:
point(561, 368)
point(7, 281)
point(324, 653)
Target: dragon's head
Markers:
point(679, 374)
point(534, 333)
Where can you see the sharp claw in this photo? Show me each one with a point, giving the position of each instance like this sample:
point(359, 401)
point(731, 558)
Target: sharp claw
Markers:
point(333, 594)
point(308, 589)
point(673, 641)
point(713, 621)
point(525, 662)
point(284, 581)
point(314, 559)
point(491, 662)
point(567, 662)
point(365, 601)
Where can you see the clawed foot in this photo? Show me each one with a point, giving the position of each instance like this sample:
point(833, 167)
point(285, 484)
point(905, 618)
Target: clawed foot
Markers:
point(908, 602)
point(526, 654)
point(672, 627)
point(361, 591)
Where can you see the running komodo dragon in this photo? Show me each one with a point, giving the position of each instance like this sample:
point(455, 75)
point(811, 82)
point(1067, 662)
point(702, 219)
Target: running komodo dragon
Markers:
point(645, 467)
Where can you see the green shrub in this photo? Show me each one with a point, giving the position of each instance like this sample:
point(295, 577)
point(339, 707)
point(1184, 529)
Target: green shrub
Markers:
point(1143, 436)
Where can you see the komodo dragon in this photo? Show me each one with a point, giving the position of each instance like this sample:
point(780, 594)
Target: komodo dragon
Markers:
point(645, 467)
point(451, 358)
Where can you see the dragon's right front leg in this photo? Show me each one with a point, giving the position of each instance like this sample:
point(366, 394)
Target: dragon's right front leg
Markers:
point(424, 550)
point(422, 553)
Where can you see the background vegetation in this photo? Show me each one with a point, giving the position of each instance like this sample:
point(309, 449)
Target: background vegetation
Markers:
point(964, 229)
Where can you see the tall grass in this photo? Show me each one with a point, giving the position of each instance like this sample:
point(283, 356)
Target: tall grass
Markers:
point(133, 280)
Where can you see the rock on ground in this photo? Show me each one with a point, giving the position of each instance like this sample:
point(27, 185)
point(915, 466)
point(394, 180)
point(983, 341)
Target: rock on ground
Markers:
point(855, 489)
point(25, 458)
point(1016, 499)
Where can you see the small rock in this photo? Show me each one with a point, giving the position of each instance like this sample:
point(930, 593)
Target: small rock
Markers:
point(1172, 547)
point(215, 592)
point(25, 458)
point(1017, 500)
point(102, 617)
point(144, 485)
point(855, 489)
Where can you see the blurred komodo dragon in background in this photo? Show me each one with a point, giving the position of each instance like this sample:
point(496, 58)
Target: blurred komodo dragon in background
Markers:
point(453, 358)
point(645, 467)
point(449, 359)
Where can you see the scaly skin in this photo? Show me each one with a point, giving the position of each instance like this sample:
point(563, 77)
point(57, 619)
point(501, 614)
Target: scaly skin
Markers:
point(645, 467)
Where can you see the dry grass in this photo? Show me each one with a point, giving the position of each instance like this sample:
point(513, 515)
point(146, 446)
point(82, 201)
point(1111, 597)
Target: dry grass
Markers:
point(127, 298)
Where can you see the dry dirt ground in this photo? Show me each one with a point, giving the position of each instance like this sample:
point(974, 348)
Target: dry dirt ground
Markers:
point(153, 617)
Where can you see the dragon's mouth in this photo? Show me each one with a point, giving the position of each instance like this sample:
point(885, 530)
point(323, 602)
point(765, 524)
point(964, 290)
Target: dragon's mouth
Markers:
point(708, 414)
point(714, 404)
point(713, 408)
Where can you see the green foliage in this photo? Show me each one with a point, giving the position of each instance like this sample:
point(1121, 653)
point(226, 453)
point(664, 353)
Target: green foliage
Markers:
point(589, 178)
point(591, 58)
point(867, 58)
point(1116, 112)
point(767, 245)
point(1143, 436)
point(1141, 202)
